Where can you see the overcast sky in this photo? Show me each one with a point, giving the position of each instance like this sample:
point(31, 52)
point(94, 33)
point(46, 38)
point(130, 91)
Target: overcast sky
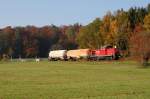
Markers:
point(59, 12)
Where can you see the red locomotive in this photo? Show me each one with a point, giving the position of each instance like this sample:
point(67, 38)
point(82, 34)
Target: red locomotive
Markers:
point(107, 52)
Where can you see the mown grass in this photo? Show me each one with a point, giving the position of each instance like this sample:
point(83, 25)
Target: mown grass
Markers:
point(73, 80)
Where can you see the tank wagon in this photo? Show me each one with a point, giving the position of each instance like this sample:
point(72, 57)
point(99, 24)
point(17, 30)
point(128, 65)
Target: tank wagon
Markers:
point(58, 55)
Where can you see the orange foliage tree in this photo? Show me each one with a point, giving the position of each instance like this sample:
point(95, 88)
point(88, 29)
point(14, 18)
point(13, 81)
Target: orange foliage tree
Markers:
point(140, 48)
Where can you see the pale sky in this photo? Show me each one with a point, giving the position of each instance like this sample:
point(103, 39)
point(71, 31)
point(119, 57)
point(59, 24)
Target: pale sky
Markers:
point(59, 12)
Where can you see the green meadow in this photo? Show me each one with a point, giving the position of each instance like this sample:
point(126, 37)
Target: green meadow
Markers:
point(74, 80)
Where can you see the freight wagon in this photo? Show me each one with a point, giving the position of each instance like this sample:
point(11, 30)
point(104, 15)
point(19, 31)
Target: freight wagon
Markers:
point(58, 55)
point(79, 54)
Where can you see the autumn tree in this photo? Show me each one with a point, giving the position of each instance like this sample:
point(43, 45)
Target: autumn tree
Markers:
point(147, 22)
point(105, 28)
point(148, 8)
point(140, 48)
point(71, 35)
point(8, 34)
point(122, 30)
point(89, 36)
point(47, 37)
point(18, 46)
point(140, 42)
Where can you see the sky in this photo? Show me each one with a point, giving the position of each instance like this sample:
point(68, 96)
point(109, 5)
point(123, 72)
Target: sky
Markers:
point(59, 12)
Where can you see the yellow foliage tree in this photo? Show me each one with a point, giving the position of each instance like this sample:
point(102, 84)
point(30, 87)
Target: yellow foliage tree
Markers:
point(147, 22)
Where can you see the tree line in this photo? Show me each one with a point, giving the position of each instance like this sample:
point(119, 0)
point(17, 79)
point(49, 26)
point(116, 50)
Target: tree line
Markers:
point(31, 41)
point(120, 28)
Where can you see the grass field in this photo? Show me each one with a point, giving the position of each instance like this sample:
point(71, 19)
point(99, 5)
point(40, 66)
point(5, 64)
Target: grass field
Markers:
point(74, 80)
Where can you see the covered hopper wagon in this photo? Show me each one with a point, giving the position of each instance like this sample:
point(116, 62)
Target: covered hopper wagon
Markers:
point(79, 54)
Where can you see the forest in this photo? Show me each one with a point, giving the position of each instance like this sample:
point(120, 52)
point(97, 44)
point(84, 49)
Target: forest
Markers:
point(124, 29)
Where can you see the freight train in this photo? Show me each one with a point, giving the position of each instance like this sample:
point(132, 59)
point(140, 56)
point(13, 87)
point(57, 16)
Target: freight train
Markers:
point(107, 52)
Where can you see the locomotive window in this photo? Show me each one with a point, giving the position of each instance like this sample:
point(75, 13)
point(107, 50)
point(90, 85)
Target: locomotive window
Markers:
point(109, 47)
